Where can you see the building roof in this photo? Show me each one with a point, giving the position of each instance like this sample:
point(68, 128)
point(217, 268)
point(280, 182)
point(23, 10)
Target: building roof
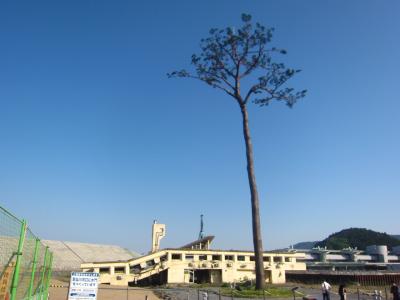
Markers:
point(205, 240)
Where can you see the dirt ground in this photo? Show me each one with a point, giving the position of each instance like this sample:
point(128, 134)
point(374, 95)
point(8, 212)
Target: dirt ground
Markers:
point(59, 291)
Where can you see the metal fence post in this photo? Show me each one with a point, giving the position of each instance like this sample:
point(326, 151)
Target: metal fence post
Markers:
point(41, 286)
point(14, 284)
point(47, 284)
point(34, 264)
point(219, 294)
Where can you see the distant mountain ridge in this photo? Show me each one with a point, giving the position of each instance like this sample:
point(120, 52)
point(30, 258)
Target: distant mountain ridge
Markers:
point(305, 245)
point(353, 237)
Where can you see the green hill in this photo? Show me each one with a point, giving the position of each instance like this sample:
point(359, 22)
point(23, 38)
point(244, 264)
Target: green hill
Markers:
point(357, 237)
point(305, 245)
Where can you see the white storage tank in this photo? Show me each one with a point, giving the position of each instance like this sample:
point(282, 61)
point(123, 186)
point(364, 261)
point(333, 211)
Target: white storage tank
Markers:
point(380, 251)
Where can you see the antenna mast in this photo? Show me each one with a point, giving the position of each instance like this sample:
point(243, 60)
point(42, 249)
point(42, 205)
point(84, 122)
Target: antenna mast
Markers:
point(201, 233)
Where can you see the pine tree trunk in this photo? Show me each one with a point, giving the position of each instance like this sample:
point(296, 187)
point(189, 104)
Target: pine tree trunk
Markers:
point(255, 210)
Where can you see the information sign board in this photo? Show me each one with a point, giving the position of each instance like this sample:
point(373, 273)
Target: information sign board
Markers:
point(83, 286)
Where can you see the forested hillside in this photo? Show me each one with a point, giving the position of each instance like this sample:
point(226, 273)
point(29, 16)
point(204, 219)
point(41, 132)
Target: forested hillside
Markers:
point(358, 237)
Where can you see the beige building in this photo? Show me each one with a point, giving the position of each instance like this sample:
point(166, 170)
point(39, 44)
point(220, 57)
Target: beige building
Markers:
point(193, 263)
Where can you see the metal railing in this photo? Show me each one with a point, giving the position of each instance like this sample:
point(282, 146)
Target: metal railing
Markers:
point(25, 263)
point(215, 293)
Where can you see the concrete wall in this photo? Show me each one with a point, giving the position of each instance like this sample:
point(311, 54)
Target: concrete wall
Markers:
point(68, 256)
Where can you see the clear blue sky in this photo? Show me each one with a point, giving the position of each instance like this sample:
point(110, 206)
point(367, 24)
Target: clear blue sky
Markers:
point(92, 130)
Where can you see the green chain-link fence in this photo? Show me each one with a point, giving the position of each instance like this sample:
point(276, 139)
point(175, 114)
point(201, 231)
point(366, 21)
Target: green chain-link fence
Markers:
point(25, 263)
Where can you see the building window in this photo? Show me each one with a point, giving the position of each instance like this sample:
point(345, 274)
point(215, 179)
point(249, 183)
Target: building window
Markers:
point(277, 259)
point(119, 270)
point(266, 258)
point(135, 269)
point(229, 257)
point(164, 258)
point(176, 256)
point(287, 259)
point(202, 257)
point(252, 258)
point(216, 257)
point(104, 270)
point(240, 258)
point(150, 263)
point(189, 257)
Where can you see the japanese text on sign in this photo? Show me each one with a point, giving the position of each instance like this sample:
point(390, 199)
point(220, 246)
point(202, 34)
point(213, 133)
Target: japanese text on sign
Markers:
point(83, 286)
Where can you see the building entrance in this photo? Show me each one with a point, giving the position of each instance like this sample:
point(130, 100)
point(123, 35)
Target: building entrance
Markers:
point(206, 276)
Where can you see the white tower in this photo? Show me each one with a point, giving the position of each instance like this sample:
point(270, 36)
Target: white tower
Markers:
point(158, 233)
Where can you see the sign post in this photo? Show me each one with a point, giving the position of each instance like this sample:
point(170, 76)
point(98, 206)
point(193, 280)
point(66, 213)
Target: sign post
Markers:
point(5, 281)
point(83, 286)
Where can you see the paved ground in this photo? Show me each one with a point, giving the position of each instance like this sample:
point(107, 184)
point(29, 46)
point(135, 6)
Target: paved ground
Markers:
point(107, 292)
point(212, 294)
point(119, 293)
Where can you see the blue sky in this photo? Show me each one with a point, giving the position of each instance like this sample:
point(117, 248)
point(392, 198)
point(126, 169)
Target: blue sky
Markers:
point(91, 129)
